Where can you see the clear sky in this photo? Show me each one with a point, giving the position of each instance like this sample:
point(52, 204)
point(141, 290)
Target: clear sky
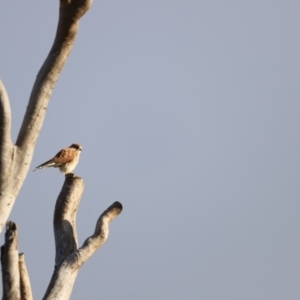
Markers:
point(188, 112)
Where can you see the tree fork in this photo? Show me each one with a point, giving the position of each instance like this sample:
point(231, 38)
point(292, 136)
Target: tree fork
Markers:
point(69, 258)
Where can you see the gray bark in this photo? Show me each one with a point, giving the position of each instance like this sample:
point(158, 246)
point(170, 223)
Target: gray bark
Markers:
point(15, 158)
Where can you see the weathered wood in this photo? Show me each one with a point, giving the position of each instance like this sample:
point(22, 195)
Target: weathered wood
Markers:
point(64, 221)
point(5, 118)
point(99, 237)
point(25, 287)
point(10, 264)
point(15, 159)
point(69, 259)
point(14, 164)
point(7, 151)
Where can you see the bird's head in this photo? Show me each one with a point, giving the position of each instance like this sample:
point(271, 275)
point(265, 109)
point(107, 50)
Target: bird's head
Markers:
point(77, 147)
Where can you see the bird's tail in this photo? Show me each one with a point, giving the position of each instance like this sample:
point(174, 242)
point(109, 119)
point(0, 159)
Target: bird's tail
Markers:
point(45, 165)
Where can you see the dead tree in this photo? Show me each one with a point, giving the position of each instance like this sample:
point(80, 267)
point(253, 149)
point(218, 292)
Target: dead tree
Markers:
point(15, 158)
point(69, 257)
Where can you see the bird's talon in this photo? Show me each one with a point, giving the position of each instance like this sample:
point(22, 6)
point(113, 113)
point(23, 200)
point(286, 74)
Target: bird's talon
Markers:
point(70, 175)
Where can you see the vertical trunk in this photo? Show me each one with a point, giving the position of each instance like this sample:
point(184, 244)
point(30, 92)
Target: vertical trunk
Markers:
point(10, 264)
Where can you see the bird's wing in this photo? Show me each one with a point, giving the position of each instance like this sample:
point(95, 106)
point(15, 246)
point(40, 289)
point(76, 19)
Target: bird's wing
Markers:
point(62, 157)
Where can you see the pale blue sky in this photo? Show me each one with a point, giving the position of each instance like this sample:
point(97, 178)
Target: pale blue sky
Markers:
point(188, 112)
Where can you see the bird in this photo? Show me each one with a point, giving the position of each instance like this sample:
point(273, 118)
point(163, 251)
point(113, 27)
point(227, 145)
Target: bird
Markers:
point(66, 159)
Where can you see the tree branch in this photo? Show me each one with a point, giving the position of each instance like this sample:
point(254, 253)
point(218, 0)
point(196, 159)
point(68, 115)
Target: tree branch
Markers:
point(69, 259)
point(69, 14)
point(6, 146)
point(25, 290)
point(10, 263)
point(5, 118)
point(99, 237)
point(64, 220)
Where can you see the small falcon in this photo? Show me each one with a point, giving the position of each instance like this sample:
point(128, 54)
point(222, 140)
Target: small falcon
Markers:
point(66, 159)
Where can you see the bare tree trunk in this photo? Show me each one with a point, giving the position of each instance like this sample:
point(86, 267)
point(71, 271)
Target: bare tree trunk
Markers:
point(15, 159)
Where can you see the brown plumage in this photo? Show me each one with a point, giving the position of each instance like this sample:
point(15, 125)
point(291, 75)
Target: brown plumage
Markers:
point(66, 159)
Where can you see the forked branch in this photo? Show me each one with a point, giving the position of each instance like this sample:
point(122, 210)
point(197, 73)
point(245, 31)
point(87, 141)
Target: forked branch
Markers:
point(68, 258)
